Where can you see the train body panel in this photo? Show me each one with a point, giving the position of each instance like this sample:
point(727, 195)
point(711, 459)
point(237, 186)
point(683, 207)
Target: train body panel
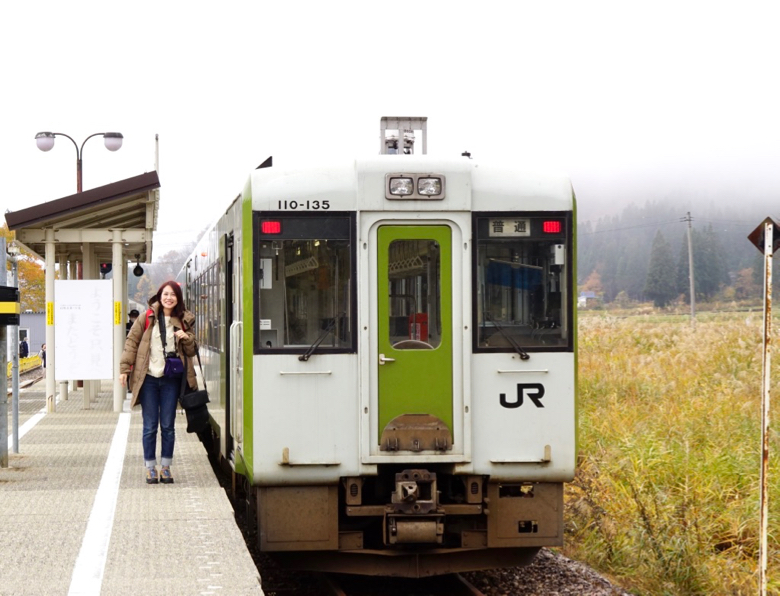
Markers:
point(524, 417)
point(305, 419)
point(389, 344)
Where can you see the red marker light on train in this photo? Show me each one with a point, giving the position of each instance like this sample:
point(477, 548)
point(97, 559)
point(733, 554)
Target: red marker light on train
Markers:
point(551, 227)
point(271, 227)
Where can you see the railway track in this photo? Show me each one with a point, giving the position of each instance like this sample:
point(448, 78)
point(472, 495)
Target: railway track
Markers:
point(444, 585)
point(28, 378)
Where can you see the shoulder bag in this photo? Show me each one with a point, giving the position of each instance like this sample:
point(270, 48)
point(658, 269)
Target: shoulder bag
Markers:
point(174, 367)
point(194, 402)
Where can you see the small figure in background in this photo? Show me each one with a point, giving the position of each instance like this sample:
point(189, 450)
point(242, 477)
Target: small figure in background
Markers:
point(24, 349)
point(42, 354)
point(133, 316)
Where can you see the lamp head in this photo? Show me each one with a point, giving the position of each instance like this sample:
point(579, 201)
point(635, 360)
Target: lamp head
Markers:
point(44, 140)
point(113, 140)
point(138, 271)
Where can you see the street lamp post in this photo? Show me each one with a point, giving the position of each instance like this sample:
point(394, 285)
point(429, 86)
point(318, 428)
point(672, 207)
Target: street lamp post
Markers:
point(112, 141)
point(45, 141)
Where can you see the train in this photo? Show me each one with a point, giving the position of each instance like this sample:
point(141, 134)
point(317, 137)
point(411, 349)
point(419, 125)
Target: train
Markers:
point(389, 343)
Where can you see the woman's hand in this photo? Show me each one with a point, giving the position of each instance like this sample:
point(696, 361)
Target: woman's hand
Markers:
point(181, 334)
point(123, 379)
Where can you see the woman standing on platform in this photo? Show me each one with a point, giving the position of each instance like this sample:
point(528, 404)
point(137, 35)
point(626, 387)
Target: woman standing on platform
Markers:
point(148, 356)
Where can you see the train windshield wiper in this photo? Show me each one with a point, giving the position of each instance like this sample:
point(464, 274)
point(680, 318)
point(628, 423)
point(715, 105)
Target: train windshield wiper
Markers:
point(523, 354)
point(307, 354)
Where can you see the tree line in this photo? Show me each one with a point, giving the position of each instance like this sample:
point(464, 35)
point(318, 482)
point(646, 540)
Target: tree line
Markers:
point(642, 255)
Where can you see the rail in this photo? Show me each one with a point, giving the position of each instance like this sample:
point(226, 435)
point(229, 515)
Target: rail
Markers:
point(452, 584)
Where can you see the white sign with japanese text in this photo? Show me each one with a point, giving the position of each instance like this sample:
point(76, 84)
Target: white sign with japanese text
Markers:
point(83, 329)
point(509, 226)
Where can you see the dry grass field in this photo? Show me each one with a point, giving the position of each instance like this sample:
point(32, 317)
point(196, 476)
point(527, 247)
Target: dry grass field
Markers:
point(666, 499)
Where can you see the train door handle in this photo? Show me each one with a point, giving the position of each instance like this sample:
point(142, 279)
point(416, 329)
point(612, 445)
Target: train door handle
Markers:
point(382, 359)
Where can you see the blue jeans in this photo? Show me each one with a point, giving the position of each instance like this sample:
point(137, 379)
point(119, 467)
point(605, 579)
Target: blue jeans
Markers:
point(158, 399)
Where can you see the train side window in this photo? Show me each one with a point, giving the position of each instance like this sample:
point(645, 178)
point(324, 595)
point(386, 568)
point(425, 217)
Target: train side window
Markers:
point(522, 288)
point(304, 290)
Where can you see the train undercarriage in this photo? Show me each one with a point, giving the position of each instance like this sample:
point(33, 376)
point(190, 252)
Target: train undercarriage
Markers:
point(408, 522)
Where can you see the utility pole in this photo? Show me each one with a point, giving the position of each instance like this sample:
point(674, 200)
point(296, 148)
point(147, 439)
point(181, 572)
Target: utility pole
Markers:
point(689, 219)
point(766, 239)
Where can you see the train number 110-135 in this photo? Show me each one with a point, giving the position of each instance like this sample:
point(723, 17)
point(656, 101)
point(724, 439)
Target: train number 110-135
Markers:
point(304, 205)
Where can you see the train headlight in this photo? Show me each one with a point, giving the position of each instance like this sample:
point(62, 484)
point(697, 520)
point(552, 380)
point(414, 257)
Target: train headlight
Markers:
point(401, 186)
point(429, 186)
point(407, 186)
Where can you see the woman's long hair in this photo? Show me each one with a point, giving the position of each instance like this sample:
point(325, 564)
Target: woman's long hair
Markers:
point(178, 310)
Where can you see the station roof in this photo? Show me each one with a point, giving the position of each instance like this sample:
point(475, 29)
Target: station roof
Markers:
point(130, 206)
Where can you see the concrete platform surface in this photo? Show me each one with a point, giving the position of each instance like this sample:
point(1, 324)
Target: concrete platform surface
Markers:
point(78, 517)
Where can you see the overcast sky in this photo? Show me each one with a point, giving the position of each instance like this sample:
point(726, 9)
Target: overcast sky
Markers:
point(633, 99)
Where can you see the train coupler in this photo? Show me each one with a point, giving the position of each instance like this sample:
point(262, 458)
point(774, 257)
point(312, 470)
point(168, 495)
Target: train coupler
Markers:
point(414, 516)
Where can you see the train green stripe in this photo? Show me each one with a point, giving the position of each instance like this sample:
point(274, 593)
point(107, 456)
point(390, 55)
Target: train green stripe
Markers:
point(247, 314)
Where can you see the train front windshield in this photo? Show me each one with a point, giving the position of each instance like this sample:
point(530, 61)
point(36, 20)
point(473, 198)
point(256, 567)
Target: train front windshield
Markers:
point(522, 289)
point(304, 284)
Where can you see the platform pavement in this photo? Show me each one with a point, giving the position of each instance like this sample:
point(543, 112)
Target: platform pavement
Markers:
point(178, 538)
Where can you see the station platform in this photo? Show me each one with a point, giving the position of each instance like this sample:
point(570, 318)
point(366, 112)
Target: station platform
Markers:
point(77, 517)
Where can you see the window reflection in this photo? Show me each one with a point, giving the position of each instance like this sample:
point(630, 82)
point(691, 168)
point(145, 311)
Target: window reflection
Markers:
point(521, 289)
point(304, 293)
point(415, 295)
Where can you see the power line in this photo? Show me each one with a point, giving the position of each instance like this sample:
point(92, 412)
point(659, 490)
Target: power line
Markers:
point(647, 225)
point(663, 223)
point(727, 221)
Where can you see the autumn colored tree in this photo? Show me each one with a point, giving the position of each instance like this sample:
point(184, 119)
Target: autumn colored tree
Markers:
point(32, 278)
point(32, 284)
point(745, 285)
point(593, 284)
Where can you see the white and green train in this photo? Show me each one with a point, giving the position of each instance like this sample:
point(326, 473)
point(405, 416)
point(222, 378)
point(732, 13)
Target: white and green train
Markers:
point(389, 346)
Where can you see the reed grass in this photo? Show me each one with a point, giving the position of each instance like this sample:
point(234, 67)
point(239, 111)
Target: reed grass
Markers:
point(666, 498)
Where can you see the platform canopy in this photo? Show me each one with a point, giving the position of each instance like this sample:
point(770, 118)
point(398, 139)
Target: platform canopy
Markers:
point(111, 224)
point(129, 206)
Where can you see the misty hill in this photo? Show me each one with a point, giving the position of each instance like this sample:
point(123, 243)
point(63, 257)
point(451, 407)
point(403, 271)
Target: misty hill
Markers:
point(614, 251)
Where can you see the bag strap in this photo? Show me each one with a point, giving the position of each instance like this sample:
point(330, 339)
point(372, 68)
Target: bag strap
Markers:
point(184, 376)
point(161, 321)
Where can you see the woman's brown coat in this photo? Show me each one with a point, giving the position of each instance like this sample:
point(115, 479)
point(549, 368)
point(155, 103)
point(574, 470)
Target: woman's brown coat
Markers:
point(135, 357)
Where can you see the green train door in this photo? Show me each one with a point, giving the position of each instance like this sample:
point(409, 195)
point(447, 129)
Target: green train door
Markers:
point(415, 338)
